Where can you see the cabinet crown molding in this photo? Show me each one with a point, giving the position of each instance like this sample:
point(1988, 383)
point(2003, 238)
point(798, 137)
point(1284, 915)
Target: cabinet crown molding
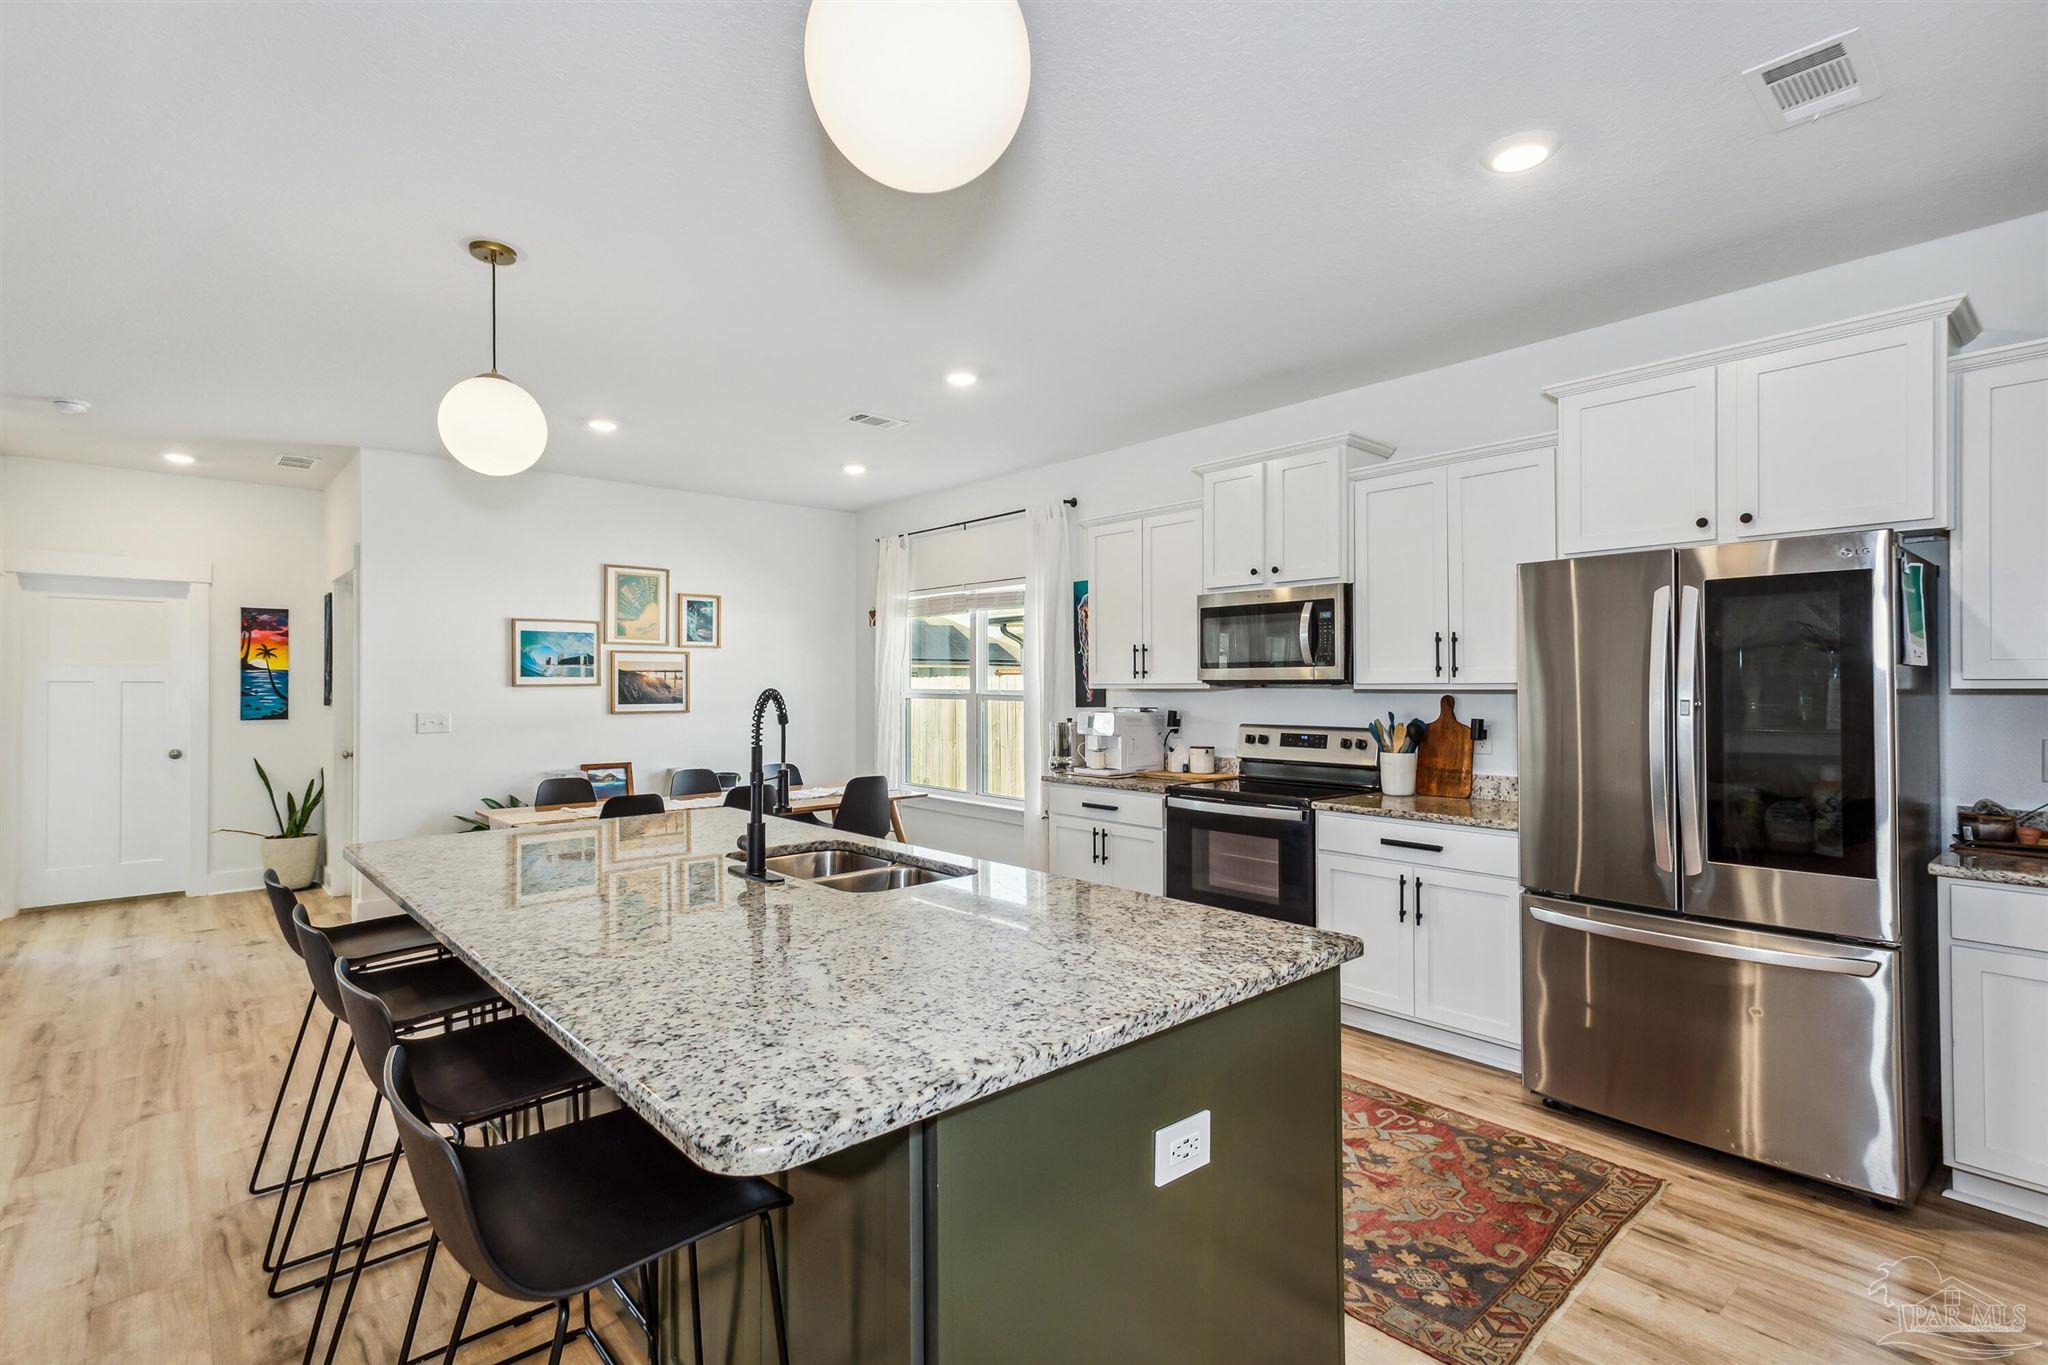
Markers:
point(1138, 513)
point(1998, 355)
point(1542, 440)
point(1351, 441)
point(1963, 328)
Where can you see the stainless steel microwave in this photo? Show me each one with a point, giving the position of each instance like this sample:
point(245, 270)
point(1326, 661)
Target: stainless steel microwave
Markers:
point(1277, 635)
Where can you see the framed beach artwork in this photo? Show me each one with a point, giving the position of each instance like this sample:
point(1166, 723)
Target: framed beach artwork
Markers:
point(266, 663)
point(550, 653)
point(635, 606)
point(610, 779)
point(651, 683)
point(700, 620)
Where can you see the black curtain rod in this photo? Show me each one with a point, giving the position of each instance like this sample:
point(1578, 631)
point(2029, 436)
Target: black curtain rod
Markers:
point(975, 521)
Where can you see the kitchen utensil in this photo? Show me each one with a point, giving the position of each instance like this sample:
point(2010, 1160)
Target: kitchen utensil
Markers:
point(1445, 766)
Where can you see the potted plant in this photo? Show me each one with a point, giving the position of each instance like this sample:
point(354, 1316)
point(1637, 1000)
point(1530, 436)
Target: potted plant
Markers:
point(292, 853)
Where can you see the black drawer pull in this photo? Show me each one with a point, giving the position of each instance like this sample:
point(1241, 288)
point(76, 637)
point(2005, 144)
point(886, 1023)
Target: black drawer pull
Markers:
point(1100, 805)
point(1418, 900)
point(1402, 900)
point(1410, 843)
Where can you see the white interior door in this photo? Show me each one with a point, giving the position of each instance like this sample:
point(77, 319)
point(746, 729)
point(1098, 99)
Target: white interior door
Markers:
point(105, 797)
point(339, 810)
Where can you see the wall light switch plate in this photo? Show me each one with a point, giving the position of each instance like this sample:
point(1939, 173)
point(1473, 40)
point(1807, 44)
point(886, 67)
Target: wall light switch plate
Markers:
point(430, 723)
point(1179, 1148)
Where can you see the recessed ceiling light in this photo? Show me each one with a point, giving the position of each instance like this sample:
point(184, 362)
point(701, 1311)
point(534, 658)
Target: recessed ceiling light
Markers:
point(177, 457)
point(1521, 152)
point(71, 407)
point(854, 469)
point(604, 426)
point(962, 379)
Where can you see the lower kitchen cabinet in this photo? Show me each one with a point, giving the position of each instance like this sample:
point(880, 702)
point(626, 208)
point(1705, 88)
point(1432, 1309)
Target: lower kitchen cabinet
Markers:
point(1994, 1000)
point(1442, 961)
point(1111, 837)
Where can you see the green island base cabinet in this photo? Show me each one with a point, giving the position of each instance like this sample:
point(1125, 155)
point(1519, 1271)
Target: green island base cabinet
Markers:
point(1438, 908)
point(1026, 1228)
point(1107, 836)
point(1994, 1045)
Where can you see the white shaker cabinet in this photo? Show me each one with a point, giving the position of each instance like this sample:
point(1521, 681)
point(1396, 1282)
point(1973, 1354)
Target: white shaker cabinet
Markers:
point(1144, 574)
point(1436, 552)
point(1108, 835)
point(1280, 516)
point(1994, 1004)
point(1367, 898)
point(1468, 953)
point(1999, 559)
point(1831, 428)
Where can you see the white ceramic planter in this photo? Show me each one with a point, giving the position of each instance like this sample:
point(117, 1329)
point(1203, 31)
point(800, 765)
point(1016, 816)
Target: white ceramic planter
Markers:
point(1397, 773)
point(297, 861)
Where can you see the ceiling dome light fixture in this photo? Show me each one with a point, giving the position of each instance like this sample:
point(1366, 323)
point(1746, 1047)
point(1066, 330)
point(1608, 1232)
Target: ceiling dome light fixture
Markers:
point(922, 95)
point(603, 426)
point(854, 469)
point(178, 457)
point(487, 422)
point(1521, 152)
point(962, 379)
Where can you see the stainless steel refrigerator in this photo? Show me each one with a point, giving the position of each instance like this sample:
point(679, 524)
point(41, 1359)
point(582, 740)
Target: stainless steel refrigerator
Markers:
point(1729, 772)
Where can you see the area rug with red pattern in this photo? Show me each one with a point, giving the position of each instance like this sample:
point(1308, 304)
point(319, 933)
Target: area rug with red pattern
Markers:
point(1462, 1237)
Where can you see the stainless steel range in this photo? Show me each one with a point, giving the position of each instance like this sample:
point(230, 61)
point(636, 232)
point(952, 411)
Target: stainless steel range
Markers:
point(1249, 843)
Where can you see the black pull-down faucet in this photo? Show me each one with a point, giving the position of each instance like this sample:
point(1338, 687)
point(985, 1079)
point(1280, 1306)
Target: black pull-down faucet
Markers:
point(756, 840)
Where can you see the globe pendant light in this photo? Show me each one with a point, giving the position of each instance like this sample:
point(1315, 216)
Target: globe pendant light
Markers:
point(487, 422)
point(922, 95)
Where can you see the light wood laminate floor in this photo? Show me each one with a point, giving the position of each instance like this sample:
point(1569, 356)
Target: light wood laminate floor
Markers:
point(140, 1041)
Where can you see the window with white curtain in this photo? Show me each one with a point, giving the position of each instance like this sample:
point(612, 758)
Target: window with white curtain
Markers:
point(963, 722)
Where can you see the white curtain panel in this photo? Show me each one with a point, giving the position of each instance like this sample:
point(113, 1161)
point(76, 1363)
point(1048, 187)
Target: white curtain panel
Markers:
point(892, 652)
point(1048, 654)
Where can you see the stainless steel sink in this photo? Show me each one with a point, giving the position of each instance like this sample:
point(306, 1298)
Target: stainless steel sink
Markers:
point(846, 869)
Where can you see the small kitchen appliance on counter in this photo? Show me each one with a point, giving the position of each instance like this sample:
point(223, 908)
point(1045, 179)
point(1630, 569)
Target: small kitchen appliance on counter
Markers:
point(1249, 843)
point(1127, 739)
point(1065, 749)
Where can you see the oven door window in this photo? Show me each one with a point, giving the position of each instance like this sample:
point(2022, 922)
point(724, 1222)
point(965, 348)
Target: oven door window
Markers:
point(1262, 635)
point(1260, 866)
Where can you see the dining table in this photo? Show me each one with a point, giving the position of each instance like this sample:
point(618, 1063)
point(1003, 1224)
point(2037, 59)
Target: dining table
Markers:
point(802, 801)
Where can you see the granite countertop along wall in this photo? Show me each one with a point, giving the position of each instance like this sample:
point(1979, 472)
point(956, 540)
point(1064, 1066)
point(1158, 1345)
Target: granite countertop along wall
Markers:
point(2003, 869)
point(1492, 804)
point(762, 1027)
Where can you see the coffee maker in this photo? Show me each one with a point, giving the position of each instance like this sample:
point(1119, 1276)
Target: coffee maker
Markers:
point(1127, 739)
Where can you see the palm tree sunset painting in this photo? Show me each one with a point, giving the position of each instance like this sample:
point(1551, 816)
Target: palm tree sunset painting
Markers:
point(266, 663)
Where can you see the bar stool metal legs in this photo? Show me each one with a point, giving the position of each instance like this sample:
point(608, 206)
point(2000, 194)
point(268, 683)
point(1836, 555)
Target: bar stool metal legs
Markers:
point(284, 1082)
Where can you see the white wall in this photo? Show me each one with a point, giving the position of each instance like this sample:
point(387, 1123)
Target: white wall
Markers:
point(265, 546)
point(2003, 268)
point(449, 557)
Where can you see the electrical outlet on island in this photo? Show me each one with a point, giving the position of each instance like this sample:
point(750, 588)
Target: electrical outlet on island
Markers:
point(1179, 1148)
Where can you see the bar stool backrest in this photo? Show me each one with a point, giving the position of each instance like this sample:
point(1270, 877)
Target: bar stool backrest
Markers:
point(443, 1187)
point(319, 956)
point(639, 803)
point(693, 782)
point(564, 791)
point(369, 1023)
point(281, 904)
point(864, 808)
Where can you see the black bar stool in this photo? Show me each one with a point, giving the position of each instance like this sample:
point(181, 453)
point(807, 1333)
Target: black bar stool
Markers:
point(693, 782)
point(639, 803)
point(464, 1077)
point(564, 791)
point(555, 1215)
point(864, 808)
point(365, 941)
point(418, 994)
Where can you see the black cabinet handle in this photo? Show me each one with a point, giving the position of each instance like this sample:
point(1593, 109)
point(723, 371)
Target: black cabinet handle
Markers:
point(1746, 518)
point(1454, 653)
point(1418, 898)
point(1144, 661)
point(1103, 805)
point(1410, 843)
point(1094, 845)
point(1403, 901)
point(1134, 661)
point(1105, 848)
point(1701, 523)
point(1439, 654)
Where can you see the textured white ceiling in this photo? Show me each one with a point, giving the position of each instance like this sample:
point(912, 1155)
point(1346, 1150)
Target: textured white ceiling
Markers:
point(244, 223)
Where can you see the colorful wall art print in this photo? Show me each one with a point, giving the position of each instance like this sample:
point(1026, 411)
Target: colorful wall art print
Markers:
point(699, 620)
point(650, 684)
point(609, 779)
point(635, 606)
point(549, 653)
point(1084, 696)
point(266, 663)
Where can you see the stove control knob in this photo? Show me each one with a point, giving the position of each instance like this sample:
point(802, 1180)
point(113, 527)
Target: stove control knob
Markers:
point(1343, 743)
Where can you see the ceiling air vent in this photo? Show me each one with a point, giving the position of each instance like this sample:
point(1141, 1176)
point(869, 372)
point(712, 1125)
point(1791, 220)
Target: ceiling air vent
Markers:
point(869, 419)
point(1801, 86)
point(296, 461)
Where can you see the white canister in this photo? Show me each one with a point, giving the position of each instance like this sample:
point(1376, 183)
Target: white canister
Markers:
point(1397, 773)
point(1201, 758)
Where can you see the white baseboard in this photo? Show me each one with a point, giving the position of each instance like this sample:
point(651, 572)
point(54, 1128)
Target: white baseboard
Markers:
point(1480, 1050)
point(2014, 1201)
point(227, 880)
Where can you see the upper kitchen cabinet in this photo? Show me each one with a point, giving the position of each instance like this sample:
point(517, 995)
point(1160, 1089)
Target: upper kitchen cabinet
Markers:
point(2000, 612)
point(1144, 574)
point(1832, 428)
point(1281, 516)
point(1437, 542)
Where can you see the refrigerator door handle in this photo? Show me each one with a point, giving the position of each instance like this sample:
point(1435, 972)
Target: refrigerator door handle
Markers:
point(1660, 727)
point(1689, 630)
point(1737, 952)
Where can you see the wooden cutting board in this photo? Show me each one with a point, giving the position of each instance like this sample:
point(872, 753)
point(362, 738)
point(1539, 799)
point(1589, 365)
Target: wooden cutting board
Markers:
point(1163, 775)
point(1443, 766)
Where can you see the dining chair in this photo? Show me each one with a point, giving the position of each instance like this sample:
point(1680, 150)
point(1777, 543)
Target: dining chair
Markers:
point(693, 782)
point(639, 803)
point(864, 808)
point(564, 791)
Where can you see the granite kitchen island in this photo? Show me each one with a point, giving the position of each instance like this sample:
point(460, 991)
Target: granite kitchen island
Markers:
point(959, 1083)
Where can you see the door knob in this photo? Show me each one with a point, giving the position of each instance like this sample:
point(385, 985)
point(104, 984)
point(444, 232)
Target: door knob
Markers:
point(177, 753)
point(348, 753)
